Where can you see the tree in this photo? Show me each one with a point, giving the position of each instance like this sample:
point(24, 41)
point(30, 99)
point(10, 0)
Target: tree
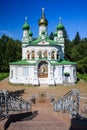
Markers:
point(51, 36)
point(82, 65)
point(77, 39)
point(68, 46)
point(10, 50)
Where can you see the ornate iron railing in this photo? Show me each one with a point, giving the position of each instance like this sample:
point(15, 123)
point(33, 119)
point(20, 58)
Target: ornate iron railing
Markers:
point(10, 101)
point(68, 103)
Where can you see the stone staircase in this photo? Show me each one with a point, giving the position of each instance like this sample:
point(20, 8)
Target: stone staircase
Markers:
point(46, 119)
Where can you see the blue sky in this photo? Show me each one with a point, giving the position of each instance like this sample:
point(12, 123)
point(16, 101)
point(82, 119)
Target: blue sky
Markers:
point(13, 12)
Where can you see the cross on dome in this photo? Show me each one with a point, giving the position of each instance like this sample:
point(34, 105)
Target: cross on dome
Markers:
point(60, 19)
point(26, 19)
point(43, 10)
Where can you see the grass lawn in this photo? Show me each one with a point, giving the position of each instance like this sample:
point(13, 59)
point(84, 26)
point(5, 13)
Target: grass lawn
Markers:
point(3, 75)
point(82, 76)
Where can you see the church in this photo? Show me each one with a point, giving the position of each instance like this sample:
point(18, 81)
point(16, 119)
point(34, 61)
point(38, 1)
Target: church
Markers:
point(42, 59)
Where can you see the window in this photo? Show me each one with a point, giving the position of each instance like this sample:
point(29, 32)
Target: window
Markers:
point(57, 54)
point(33, 54)
point(16, 72)
point(67, 75)
point(28, 56)
point(40, 54)
point(53, 55)
point(25, 71)
point(45, 54)
point(74, 73)
point(11, 73)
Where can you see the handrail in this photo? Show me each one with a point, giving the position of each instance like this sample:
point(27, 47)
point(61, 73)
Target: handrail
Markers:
point(69, 102)
point(11, 102)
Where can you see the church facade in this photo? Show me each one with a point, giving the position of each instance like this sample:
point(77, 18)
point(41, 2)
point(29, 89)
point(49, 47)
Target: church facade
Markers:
point(43, 59)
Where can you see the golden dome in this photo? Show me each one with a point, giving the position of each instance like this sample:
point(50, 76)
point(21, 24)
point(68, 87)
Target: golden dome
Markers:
point(43, 21)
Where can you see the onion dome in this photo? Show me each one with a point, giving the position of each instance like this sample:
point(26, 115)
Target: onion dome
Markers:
point(43, 21)
point(55, 34)
point(26, 26)
point(60, 25)
point(30, 33)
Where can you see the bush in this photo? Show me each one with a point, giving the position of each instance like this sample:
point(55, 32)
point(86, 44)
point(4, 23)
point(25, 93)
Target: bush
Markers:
point(82, 76)
point(3, 75)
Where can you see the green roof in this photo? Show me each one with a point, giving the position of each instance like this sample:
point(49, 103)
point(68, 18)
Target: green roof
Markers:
point(26, 26)
point(51, 42)
point(34, 62)
point(23, 62)
point(60, 26)
point(35, 42)
point(63, 62)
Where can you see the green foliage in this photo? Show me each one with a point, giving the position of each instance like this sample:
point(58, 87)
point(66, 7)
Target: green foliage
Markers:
point(51, 37)
point(68, 45)
point(82, 76)
point(3, 75)
point(76, 51)
point(77, 39)
point(82, 65)
point(10, 50)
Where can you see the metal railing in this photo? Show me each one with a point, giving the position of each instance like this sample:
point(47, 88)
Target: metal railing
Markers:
point(68, 103)
point(9, 101)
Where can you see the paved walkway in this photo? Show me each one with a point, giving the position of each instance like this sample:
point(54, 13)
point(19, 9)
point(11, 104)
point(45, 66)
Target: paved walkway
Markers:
point(46, 119)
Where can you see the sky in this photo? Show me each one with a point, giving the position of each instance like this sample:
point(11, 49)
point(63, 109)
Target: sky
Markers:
point(13, 13)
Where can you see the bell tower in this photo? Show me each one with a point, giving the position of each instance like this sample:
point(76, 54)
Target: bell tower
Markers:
point(43, 23)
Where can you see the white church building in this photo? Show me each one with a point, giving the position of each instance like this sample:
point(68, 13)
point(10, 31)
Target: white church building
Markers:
point(43, 59)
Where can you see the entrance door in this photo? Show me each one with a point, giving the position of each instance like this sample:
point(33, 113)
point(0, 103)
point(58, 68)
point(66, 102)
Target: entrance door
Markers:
point(43, 69)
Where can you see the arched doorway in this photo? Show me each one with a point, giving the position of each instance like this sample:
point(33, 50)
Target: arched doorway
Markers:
point(43, 69)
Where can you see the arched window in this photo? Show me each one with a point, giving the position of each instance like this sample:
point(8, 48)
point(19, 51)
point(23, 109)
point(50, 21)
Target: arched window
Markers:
point(53, 55)
point(45, 54)
point(28, 55)
point(40, 54)
point(33, 54)
point(57, 55)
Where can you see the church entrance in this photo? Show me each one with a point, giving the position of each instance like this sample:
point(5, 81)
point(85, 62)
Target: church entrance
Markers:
point(43, 69)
